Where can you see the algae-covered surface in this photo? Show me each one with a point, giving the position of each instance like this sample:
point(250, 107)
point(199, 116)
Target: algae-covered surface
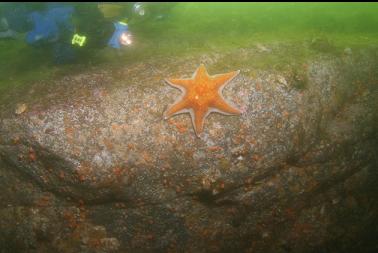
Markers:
point(195, 28)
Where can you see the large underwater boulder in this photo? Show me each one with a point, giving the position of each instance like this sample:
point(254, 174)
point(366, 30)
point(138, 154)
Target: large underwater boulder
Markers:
point(90, 165)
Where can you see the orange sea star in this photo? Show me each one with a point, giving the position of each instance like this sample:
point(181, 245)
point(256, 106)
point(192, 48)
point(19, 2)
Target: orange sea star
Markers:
point(201, 95)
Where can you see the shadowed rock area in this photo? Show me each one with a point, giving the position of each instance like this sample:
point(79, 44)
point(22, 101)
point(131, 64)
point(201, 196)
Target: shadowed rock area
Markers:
point(89, 165)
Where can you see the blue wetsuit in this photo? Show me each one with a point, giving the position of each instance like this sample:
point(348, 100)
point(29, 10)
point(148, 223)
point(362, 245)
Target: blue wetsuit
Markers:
point(52, 28)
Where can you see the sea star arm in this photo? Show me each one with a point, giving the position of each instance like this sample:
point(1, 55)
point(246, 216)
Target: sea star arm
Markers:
point(198, 120)
point(223, 79)
point(201, 73)
point(223, 107)
point(176, 108)
point(179, 83)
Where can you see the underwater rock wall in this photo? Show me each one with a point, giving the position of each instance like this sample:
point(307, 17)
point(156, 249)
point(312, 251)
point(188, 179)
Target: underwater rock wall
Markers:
point(92, 166)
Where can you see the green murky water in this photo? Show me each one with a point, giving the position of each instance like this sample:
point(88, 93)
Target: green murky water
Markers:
point(180, 29)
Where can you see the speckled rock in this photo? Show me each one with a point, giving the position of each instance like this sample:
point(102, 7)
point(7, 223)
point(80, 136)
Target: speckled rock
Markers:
point(92, 166)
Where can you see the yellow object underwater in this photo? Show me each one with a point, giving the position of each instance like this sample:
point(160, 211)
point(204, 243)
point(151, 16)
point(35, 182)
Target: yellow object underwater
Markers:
point(77, 39)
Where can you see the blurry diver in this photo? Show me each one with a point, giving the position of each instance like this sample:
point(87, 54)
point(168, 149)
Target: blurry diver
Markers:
point(46, 25)
point(52, 26)
point(103, 25)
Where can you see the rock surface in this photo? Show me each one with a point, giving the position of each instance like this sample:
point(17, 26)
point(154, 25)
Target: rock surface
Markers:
point(91, 166)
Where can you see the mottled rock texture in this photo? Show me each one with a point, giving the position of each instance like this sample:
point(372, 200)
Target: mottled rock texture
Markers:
point(92, 166)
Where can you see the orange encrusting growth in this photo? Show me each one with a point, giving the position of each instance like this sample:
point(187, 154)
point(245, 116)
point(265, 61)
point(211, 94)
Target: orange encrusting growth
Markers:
point(202, 94)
